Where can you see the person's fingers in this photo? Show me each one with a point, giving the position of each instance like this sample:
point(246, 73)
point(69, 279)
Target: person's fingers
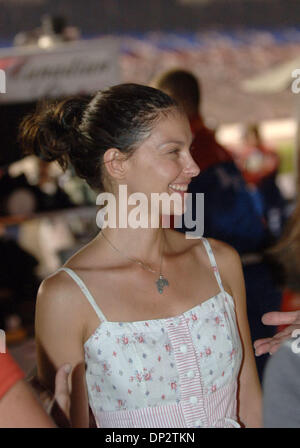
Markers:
point(281, 318)
point(271, 345)
point(260, 342)
point(274, 347)
point(62, 393)
point(283, 335)
point(262, 349)
point(44, 395)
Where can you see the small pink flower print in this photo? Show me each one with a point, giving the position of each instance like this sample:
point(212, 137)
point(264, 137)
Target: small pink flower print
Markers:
point(214, 388)
point(129, 391)
point(214, 337)
point(98, 389)
point(232, 353)
point(146, 323)
point(106, 368)
point(215, 269)
point(173, 385)
point(159, 358)
point(147, 376)
point(225, 314)
point(125, 340)
point(120, 403)
point(194, 317)
point(200, 354)
point(163, 397)
point(141, 339)
point(114, 354)
point(208, 351)
point(217, 320)
point(223, 373)
point(138, 377)
point(168, 347)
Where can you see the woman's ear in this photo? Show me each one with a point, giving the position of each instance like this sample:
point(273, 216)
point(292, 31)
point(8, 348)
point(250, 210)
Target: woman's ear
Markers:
point(115, 163)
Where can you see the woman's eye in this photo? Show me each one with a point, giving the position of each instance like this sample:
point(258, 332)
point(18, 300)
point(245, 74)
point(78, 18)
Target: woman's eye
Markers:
point(174, 151)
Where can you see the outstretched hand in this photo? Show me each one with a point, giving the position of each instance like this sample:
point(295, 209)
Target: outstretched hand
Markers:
point(271, 345)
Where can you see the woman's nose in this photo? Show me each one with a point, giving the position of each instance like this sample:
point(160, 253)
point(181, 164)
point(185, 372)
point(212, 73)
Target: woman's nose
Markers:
point(191, 167)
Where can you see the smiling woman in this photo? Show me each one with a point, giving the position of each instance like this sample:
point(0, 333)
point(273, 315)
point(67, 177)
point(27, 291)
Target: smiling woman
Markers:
point(160, 332)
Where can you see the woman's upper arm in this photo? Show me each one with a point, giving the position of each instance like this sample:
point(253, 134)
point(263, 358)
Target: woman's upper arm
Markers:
point(59, 340)
point(231, 272)
point(57, 328)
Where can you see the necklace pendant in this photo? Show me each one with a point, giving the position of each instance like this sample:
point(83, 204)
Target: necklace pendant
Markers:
point(161, 283)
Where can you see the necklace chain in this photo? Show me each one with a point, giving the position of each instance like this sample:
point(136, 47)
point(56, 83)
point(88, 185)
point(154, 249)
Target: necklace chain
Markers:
point(161, 282)
point(145, 266)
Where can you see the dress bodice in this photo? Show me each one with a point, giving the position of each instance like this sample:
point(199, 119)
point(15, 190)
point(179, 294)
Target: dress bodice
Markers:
point(172, 372)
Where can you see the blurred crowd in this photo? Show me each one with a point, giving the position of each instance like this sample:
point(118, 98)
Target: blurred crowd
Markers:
point(41, 223)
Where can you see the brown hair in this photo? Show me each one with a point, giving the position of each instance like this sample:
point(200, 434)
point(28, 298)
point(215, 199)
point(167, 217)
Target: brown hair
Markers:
point(79, 130)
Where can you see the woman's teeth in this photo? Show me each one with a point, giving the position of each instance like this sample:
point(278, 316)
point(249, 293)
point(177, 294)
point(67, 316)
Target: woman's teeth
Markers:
point(179, 187)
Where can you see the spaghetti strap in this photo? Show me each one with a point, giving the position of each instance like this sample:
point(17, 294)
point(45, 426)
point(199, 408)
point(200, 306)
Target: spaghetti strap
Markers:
point(85, 291)
point(213, 263)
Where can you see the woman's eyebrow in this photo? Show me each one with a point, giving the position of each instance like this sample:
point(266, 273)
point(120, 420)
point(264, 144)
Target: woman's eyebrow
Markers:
point(177, 142)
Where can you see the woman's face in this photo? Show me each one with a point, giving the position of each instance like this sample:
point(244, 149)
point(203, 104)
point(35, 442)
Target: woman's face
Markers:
point(163, 162)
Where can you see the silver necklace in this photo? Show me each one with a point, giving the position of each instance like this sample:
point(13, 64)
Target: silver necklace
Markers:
point(161, 282)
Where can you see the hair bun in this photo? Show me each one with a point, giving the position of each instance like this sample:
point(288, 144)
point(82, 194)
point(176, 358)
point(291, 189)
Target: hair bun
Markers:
point(51, 131)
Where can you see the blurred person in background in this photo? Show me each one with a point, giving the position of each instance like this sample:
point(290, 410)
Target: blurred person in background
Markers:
point(256, 160)
point(138, 136)
point(259, 165)
point(18, 288)
point(53, 30)
point(20, 249)
point(230, 212)
point(287, 251)
point(281, 408)
point(18, 196)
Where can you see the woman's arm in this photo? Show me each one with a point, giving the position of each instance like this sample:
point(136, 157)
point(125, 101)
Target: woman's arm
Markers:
point(249, 394)
point(19, 408)
point(59, 339)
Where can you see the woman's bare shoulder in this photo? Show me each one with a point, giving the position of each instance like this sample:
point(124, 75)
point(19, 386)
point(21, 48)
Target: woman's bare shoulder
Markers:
point(230, 267)
point(58, 291)
point(223, 252)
